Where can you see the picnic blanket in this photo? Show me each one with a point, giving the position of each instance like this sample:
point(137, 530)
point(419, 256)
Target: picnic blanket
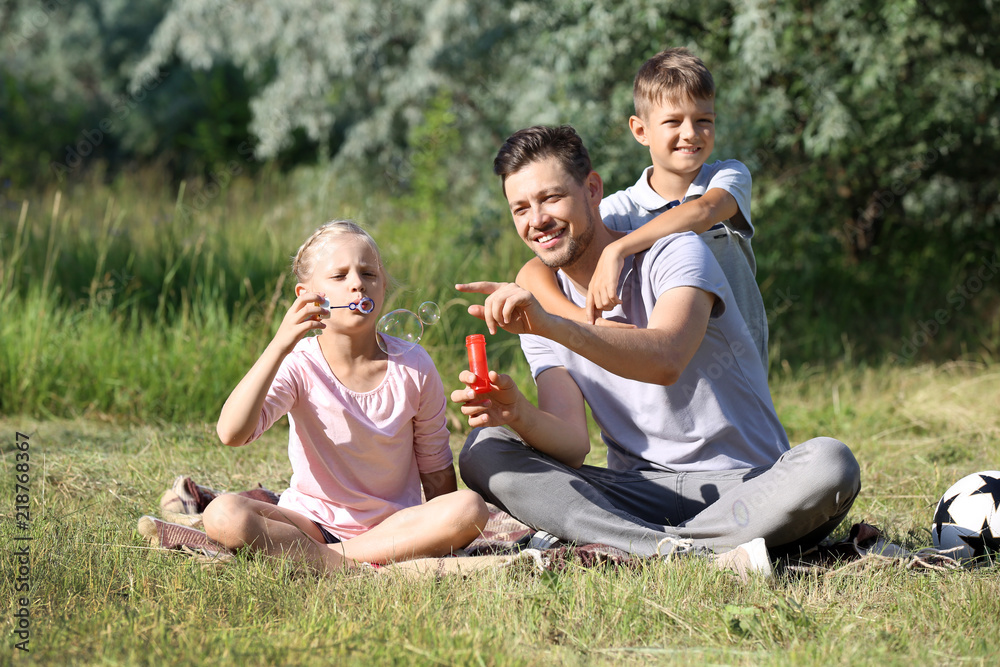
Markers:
point(505, 541)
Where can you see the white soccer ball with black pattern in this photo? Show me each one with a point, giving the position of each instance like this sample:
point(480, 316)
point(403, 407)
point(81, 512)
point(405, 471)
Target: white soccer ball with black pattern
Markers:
point(967, 518)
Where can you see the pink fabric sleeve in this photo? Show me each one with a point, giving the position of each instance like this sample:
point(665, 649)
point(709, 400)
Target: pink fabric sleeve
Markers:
point(280, 399)
point(430, 429)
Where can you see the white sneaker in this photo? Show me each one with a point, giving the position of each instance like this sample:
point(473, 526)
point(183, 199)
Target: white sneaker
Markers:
point(746, 558)
point(542, 541)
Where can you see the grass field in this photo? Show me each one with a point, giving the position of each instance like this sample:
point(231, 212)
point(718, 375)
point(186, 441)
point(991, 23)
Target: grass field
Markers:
point(99, 596)
point(125, 320)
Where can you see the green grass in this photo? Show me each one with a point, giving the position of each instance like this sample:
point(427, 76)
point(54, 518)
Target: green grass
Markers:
point(100, 597)
point(128, 313)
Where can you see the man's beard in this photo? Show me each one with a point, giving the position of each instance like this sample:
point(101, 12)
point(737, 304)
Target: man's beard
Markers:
point(575, 247)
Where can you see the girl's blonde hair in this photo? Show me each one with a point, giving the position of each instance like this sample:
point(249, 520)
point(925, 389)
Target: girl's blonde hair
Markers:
point(305, 259)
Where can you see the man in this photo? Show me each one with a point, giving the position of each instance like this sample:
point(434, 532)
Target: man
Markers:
point(696, 454)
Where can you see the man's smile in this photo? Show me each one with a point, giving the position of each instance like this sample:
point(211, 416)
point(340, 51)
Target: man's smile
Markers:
point(549, 239)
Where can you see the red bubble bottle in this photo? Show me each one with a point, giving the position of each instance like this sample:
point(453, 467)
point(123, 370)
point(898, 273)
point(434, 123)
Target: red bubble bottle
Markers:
point(476, 346)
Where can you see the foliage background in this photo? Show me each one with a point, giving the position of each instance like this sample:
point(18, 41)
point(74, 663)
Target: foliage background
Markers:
point(161, 159)
point(164, 157)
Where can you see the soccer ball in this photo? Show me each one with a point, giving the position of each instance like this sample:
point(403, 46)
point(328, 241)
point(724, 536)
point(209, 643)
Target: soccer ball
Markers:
point(967, 518)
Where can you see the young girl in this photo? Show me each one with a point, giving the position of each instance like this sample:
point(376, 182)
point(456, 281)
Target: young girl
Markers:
point(367, 428)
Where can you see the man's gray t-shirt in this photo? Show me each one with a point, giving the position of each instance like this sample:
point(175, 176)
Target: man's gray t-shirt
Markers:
point(717, 416)
point(629, 209)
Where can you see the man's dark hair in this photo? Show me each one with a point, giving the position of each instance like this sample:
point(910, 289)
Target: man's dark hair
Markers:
point(538, 143)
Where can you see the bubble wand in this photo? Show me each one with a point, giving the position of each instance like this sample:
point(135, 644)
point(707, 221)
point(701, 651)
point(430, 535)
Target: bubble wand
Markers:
point(365, 306)
point(406, 326)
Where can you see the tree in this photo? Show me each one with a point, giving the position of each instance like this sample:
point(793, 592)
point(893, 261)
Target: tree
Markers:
point(69, 100)
point(883, 114)
point(871, 127)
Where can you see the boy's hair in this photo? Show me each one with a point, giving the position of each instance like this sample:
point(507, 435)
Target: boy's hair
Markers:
point(670, 76)
point(305, 259)
point(540, 142)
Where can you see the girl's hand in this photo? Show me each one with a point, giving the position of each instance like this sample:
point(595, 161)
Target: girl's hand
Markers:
point(302, 317)
point(602, 293)
point(496, 408)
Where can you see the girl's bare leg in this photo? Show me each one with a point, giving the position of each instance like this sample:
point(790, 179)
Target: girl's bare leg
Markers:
point(237, 522)
point(436, 528)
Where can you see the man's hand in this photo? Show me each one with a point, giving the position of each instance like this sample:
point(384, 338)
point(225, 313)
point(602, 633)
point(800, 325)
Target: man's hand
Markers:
point(508, 306)
point(497, 408)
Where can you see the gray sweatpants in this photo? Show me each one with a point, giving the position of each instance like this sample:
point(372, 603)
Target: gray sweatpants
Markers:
point(793, 503)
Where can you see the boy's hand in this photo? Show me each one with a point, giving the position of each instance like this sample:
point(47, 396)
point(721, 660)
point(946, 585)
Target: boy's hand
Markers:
point(497, 408)
point(602, 293)
point(302, 317)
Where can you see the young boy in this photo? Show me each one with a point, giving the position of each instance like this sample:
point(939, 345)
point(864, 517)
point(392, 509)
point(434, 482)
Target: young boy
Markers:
point(674, 96)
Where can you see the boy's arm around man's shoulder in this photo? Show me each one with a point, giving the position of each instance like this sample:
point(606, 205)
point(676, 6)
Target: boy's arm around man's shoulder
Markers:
point(541, 281)
point(732, 177)
point(698, 215)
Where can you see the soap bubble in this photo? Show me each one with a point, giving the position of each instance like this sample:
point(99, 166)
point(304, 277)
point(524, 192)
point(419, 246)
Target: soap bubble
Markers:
point(400, 324)
point(406, 326)
point(429, 313)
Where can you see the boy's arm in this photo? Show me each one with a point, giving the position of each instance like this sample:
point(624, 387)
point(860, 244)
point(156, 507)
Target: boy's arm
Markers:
point(696, 216)
point(540, 280)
